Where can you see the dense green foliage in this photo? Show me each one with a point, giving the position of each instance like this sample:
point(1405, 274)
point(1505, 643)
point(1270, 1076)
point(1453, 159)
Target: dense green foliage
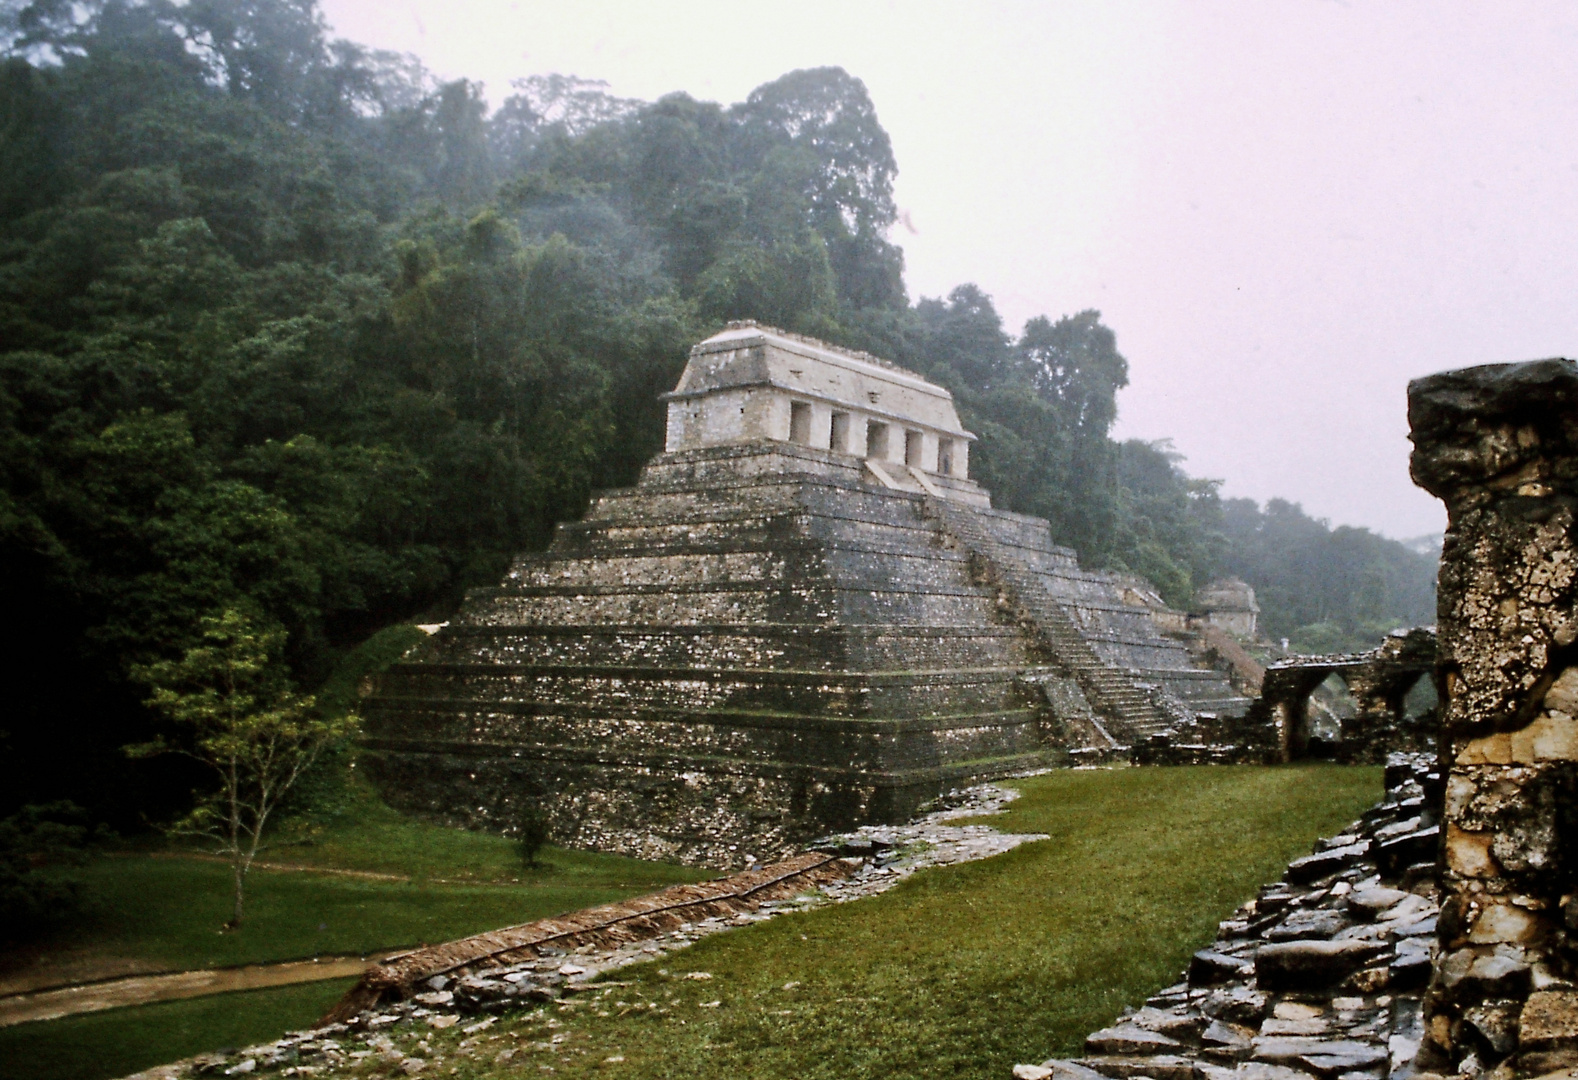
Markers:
point(289, 328)
point(1328, 590)
point(41, 848)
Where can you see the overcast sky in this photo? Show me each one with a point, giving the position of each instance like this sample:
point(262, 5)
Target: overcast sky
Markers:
point(1286, 210)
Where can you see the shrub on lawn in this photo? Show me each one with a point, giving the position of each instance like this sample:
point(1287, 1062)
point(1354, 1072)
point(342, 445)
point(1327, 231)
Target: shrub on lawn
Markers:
point(39, 847)
point(533, 835)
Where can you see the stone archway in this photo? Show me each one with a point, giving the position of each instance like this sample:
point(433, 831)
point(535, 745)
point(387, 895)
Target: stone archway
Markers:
point(1284, 701)
point(1327, 713)
point(1380, 683)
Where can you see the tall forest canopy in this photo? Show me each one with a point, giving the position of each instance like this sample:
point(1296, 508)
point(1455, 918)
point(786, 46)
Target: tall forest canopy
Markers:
point(290, 327)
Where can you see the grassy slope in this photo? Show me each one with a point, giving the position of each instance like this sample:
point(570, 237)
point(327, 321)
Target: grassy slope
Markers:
point(108, 1044)
point(964, 971)
point(168, 911)
point(371, 836)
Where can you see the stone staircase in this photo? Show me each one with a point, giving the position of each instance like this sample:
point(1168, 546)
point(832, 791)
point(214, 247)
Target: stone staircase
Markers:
point(1129, 712)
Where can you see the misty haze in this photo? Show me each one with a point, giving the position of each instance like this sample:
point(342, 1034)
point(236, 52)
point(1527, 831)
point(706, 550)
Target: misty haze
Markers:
point(491, 468)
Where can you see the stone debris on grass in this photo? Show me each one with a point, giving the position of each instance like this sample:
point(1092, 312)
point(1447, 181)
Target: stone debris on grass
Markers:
point(887, 855)
point(891, 853)
point(1320, 977)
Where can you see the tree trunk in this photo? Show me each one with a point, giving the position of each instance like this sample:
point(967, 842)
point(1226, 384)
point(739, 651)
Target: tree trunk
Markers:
point(238, 868)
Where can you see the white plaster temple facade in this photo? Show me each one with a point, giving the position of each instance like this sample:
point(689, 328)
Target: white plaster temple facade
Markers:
point(752, 382)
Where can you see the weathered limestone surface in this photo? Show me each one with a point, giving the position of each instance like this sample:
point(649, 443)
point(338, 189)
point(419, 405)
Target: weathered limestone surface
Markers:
point(767, 639)
point(1499, 445)
point(753, 382)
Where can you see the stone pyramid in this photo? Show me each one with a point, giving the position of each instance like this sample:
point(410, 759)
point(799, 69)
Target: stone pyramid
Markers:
point(805, 616)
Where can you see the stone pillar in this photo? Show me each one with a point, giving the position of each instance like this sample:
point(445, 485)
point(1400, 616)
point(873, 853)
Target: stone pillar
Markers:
point(1366, 737)
point(1499, 445)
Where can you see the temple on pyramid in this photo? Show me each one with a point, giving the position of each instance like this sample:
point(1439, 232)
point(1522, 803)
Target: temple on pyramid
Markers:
point(805, 616)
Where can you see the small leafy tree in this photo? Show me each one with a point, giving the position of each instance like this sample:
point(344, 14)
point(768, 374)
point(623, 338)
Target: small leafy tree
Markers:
point(236, 713)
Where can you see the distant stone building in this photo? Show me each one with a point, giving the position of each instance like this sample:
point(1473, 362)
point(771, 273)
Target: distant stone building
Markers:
point(804, 616)
point(1228, 604)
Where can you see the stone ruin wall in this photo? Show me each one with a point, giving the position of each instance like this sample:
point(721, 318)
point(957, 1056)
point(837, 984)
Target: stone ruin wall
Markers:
point(1499, 445)
point(1275, 727)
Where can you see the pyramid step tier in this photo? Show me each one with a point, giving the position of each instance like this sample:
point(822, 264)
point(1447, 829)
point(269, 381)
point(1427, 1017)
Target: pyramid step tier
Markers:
point(761, 643)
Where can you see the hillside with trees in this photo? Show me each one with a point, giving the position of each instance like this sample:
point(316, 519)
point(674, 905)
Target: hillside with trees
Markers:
point(288, 327)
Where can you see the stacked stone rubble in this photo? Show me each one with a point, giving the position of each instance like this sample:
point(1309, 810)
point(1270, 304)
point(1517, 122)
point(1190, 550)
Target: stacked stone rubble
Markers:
point(1320, 976)
point(1499, 445)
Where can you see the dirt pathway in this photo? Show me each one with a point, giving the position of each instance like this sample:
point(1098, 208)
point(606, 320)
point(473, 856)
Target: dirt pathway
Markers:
point(147, 989)
point(299, 868)
point(365, 875)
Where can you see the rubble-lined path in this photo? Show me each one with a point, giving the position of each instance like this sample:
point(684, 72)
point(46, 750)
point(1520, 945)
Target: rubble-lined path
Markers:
point(1320, 977)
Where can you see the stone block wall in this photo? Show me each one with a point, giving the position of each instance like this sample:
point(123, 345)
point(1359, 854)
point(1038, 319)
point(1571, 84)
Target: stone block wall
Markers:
point(752, 647)
point(747, 650)
point(1499, 445)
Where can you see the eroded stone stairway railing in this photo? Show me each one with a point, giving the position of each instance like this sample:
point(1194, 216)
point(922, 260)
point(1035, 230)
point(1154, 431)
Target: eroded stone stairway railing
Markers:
point(1129, 711)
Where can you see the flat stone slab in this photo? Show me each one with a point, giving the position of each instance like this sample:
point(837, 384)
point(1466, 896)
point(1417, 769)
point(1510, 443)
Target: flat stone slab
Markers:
point(1240, 1004)
point(1185, 1026)
point(1322, 863)
point(1260, 1070)
point(1312, 923)
point(1371, 901)
point(1325, 1057)
point(1312, 965)
point(1062, 1069)
point(1305, 1026)
point(1208, 967)
point(1129, 1039)
point(1159, 1067)
point(1401, 851)
point(1550, 1020)
point(1227, 1043)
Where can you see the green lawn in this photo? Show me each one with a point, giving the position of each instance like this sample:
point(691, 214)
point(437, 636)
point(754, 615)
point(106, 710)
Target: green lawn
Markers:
point(964, 971)
point(961, 971)
point(371, 836)
point(123, 1041)
point(166, 910)
point(169, 911)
